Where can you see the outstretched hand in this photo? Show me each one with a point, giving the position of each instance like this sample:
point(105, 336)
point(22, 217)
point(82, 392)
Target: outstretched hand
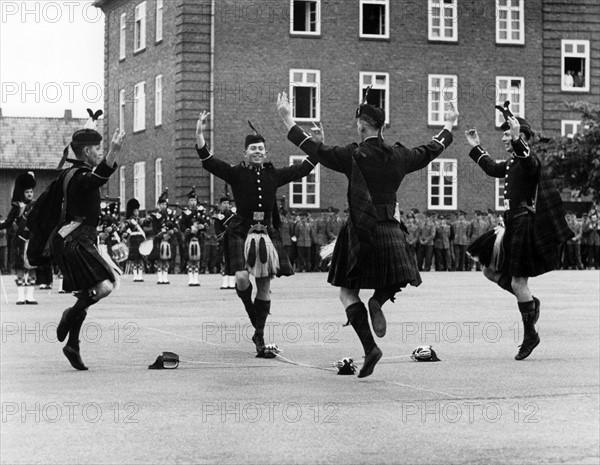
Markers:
point(472, 137)
point(515, 127)
point(200, 125)
point(284, 109)
point(317, 133)
point(451, 115)
point(115, 146)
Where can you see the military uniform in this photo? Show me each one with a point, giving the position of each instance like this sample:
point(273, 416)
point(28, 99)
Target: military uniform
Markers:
point(20, 208)
point(192, 223)
point(534, 225)
point(135, 235)
point(254, 190)
point(371, 251)
point(164, 227)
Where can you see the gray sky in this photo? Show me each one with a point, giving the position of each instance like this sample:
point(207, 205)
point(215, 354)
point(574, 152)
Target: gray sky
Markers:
point(51, 57)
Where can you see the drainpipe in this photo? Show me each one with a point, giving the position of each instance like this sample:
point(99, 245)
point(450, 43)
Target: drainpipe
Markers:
point(212, 93)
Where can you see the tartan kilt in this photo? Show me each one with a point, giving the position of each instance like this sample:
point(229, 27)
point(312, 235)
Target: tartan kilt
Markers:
point(79, 260)
point(234, 249)
point(17, 253)
point(389, 265)
point(523, 257)
point(134, 247)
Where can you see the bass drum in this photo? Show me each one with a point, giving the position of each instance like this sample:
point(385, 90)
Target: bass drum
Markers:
point(146, 247)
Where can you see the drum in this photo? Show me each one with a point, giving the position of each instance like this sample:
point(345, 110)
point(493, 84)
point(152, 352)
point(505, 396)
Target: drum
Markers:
point(146, 247)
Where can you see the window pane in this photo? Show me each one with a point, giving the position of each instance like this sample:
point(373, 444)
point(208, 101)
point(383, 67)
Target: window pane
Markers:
point(302, 102)
point(373, 17)
point(300, 16)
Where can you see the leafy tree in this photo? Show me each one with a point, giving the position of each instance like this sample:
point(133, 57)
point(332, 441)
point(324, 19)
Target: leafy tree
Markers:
point(575, 162)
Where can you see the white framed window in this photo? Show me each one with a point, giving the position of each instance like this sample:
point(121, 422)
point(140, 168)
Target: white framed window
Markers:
point(159, 20)
point(443, 21)
point(158, 176)
point(380, 92)
point(510, 22)
point(575, 65)
point(139, 29)
point(123, 36)
point(499, 194)
point(305, 17)
point(158, 100)
point(568, 128)
point(139, 183)
point(513, 89)
point(306, 191)
point(122, 109)
point(442, 184)
point(305, 94)
point(374, 17)
point(122, 188)
point(443, 90)
point(139, 107)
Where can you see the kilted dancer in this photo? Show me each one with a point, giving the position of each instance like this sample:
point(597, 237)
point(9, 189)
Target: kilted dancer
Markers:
point(74, 245)
point(22, 202)
point(534, 223)
point(253, 242)
point(371, 251)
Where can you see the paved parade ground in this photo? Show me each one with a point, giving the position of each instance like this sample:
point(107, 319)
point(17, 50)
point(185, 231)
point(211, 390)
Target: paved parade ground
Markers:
point(223, 405)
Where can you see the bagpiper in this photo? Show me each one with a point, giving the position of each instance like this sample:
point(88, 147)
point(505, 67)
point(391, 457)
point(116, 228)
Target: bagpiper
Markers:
point(21, 204)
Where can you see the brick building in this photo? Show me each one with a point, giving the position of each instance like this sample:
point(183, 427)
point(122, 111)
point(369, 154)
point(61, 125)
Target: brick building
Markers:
point(165, 61)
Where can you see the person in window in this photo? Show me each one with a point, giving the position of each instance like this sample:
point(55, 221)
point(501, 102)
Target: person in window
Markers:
point(371, 251)
point(578, 79)
point(252, 239)
point(534, 224)
point(568, 80)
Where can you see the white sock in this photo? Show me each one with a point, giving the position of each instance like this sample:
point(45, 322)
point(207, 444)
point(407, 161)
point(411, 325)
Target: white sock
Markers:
point(29, 293)
point(225, 283)
point(21, 293)
point(60, 283)
point(190, 277)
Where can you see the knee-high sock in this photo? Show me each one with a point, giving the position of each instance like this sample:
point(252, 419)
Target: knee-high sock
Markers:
point(357, 316)
point(29, 293)
point(246, 298)
point(70, 315)
point(73, 340)
point(527, 310)
point(383, 295)
point(262, 309)
point(505, 283)
point(20, 293)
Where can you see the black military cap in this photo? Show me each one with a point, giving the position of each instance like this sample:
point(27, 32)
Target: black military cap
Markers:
point(371, 114)
point(224, 199)
point(460, 212)
point(192, 193)
point(132, 204)
point(23, 182)
point(164, 197)
point(255, 138)
point(489, 210)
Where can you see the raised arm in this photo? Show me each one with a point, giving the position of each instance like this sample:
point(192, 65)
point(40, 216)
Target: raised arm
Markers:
point(333, 157)
point(479, 155)
point(211, 164)
point(419, 157)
